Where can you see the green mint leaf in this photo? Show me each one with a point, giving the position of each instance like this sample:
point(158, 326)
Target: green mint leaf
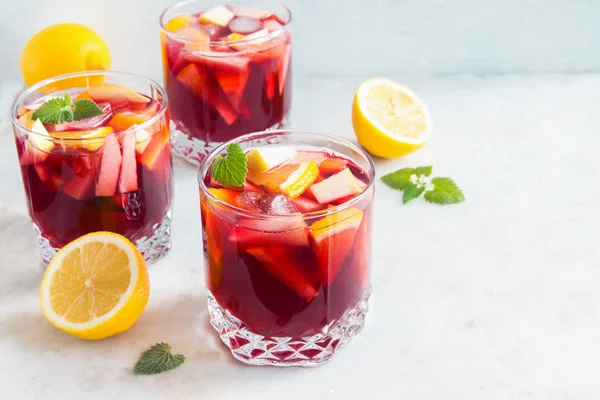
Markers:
point(55, 111)
point(423, 170)
point(157, 359)
point(398, 180)
point(411, 192)
point(232, 170)
point(86, 109)
point(445, 192)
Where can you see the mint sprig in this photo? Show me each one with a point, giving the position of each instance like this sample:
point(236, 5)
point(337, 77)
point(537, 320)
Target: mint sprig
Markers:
point(232, 169)
point(157, 359)
point(63, 109)
point(415, 181)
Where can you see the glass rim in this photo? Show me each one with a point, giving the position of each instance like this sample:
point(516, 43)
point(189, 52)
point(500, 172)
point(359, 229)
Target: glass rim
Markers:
point(15, 108)
point(270, 36)
point(312, 214)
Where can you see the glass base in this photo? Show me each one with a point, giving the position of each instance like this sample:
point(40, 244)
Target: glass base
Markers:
point(153, 248)
point(306, 351)
point(194, 150)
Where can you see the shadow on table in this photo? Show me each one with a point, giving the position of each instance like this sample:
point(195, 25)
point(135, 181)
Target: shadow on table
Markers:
point(181, 322)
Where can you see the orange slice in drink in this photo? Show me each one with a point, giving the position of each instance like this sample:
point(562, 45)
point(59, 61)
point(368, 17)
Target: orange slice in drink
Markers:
point(333, 239)
point(290, 179)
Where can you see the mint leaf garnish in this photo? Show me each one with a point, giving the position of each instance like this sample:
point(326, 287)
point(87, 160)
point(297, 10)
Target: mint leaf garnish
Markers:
point(411, 192)
point(55, 111)
point(415, 181)
point(400, 179)
point(232, 170)
point(445, 192)
point(85, 108)
point(63, 109)
point(157, 359)
point(423, 170)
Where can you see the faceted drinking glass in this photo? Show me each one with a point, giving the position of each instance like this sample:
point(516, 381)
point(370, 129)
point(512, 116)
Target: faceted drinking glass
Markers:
point(222, 84)
point(65, 172)
point(288, 289)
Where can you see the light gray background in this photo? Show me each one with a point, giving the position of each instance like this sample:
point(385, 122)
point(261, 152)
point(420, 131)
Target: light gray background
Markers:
point(354, 37)
point(494, 299)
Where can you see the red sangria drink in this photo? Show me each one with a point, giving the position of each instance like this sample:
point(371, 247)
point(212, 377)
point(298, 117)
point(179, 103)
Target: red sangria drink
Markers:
point(227, 72)
point(286, 221)
point(95, 155)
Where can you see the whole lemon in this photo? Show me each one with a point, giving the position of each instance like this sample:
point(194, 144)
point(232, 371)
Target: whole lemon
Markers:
point(60, 49)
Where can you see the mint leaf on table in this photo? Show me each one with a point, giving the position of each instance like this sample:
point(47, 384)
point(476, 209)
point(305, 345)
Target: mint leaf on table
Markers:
point(55, 111)
point(232, 170)
point(445, 192)
point(85, 108)
point(423, 170)
point(157, 359)
point(412, 192)
point(63, 109)
point(400, 179)
point(415, 181)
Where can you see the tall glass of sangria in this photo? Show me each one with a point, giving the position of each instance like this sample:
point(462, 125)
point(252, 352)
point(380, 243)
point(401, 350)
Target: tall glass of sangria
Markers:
point(227, 72)
point(287, 249)
point(94, 152)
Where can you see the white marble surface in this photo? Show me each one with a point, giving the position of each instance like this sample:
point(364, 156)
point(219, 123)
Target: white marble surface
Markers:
point(497, 298)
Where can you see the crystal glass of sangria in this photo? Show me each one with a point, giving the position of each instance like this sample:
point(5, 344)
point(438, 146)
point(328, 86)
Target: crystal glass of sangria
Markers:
point(227, 72)
point(287, 251)
point(103, 170)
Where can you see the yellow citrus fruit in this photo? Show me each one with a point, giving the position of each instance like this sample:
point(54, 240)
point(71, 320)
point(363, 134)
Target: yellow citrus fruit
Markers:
point(95, 287)
point(389, 119)
point(63, 48)
point(290, 179)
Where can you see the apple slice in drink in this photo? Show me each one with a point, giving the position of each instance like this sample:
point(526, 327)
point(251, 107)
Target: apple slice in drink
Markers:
point(218, 15)
point(128, 180)
point(281, 265)
point(264, 159)
point(91, 139)
point(335, 187)
point(195, 79)
point(333, 238)
point(39, 144)
point(109, 167)
point(117, 96)
point(250, 12)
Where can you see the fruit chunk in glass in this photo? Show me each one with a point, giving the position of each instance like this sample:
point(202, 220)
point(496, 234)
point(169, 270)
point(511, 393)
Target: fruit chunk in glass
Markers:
point(287, 255)
point(227, 72)
point(106, 173)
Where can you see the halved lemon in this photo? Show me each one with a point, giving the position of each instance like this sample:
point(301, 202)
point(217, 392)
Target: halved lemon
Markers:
point(95, 287)
point(389, 119)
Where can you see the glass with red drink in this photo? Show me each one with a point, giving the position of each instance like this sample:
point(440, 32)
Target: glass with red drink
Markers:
point(109, 172)
point(287, 255)
point(227, 72)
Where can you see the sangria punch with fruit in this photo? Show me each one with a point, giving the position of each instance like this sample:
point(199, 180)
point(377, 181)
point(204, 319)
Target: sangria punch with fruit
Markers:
point(94, 152)
point(227, 72)
point(286, 224)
